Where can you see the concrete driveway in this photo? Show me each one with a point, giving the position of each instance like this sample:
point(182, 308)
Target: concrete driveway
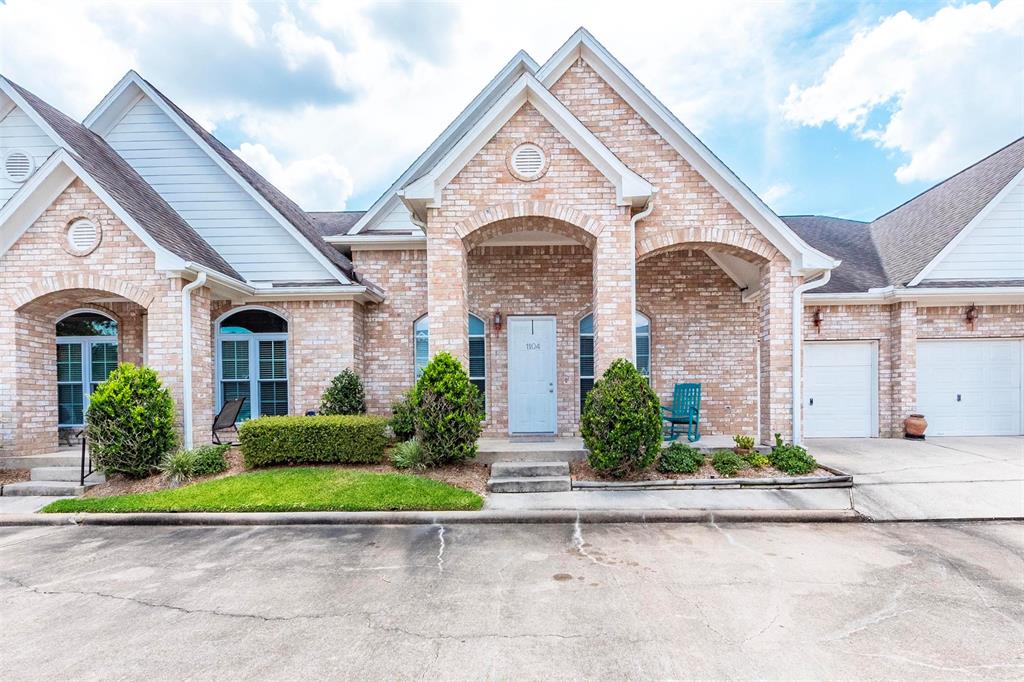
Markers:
point(940, 478)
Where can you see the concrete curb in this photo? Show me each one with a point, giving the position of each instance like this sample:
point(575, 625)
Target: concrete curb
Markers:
point(430, 518)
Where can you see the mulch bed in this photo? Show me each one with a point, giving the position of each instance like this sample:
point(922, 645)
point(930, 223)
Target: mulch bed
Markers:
point(470, 476)
point(581, 471)
point(13, 476)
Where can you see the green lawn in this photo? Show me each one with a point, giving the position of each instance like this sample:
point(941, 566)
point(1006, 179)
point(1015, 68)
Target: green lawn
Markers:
point(298, 489)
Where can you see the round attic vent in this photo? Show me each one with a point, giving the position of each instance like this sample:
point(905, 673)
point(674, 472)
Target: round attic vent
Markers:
point(527, 161)
point(18, 165)
point(83, 236)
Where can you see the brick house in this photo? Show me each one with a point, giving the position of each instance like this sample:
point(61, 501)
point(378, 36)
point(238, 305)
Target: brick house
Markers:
point(566, 218)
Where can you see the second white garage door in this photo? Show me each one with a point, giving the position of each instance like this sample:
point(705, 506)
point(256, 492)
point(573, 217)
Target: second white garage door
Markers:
point(840, 388)
point(970, 387)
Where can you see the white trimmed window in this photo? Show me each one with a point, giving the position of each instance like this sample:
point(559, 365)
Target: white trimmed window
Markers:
point(421, 345)
point(642, 331)
point(86, 355)
point(252, 362)
point(478, 356)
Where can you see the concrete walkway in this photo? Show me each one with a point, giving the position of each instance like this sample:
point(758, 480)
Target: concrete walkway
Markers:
point(25, 505)
point(940, 478)
point(833, 499)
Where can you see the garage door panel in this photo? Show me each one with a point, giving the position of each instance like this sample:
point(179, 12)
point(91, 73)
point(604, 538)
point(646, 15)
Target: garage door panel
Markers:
point(839, 383)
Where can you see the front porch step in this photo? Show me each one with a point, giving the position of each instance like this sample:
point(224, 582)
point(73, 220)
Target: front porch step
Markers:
point(44, 489)
point(64, 473)
point(535, 453)
point(528, 469)
point(55, 459)
point(530, 484)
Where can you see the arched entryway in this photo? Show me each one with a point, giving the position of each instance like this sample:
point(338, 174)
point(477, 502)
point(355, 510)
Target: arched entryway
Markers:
point(86, 355)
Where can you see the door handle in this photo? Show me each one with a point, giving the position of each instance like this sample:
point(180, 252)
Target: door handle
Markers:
point(812, 401)
point(958, 397)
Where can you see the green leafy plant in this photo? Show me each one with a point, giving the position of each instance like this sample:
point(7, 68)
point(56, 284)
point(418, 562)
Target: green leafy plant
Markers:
point(680, 458)
point(323, 439)
point(744, 443)
point(345, 395)
point(757, 460)
point(727, 463)
point(130, 422)
point(791, 459)
point(408, 455)
point(621, 421)
point(403, 417)
point(447, 414)
point(185, 465)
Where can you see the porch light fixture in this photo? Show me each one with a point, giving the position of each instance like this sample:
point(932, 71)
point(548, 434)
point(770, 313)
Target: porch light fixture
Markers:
point(497, 320)
point(817, 319)
point(971, 314)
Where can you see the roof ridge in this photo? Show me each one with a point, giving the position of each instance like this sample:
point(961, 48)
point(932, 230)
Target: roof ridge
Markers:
point(951, 177)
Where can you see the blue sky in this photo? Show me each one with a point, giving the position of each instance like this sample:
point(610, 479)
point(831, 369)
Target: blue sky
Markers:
point(837, 108)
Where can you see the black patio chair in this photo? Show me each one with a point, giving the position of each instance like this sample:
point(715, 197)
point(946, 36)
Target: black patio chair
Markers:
point(227, 419)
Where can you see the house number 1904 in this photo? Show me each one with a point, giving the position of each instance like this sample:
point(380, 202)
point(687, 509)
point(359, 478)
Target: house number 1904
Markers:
point(532, 346)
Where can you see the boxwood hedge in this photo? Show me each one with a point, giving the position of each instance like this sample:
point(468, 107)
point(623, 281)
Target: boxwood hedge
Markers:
point(333, 439)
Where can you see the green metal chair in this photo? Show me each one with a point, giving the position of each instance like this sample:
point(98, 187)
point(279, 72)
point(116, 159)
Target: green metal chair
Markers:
point(685, 409)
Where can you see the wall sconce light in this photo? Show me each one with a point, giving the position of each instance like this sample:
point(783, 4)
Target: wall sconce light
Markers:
point(497, 320)
point(817, 319)
point(971, 314)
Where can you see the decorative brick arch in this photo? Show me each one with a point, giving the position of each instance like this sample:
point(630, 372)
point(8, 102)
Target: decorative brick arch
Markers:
point(64, 282)
point(529, 224)
point(740, 243)
point(525, 209)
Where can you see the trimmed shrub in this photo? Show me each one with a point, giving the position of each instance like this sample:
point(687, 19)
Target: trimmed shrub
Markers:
point(727, 463)
point(621, 421)
point(344, 395)
point(408, 455)
point(403, 417)
point(184, 465)
point(757, 460)
point(680, 458)
point(792, 459)
point(447, 412)
point(322, 439)
point(130, 422)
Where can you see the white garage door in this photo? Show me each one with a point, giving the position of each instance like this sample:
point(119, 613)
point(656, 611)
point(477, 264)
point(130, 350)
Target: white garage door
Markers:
point(840, 388)
point(970, 387)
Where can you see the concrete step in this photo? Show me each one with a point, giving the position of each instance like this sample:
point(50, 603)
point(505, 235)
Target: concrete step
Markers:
point(44, 489)
point(488, 456)
point(526, 469)
point(530, 484)
point(72, 459)
point(64, 474)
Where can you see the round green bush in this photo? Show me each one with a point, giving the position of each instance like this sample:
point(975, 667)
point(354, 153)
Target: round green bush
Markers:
point(727, 463)
point(447, 411)
point(130, 422)
point(621, 421)
point(791, 459)
point(403, 418)
point(344, 395)
point(680, 458)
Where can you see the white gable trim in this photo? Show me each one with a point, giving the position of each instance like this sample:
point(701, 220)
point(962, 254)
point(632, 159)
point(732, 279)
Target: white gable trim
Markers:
point(45, 185)
point(118, 101)
point(630, 188)
point(963, 234)
point(518, 65)
point(805, 259)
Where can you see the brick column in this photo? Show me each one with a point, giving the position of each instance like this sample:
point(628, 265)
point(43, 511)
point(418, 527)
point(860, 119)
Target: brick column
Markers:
point(203, 370)
point(8, 381)
point(904, 366)
point(614, 258)
point(776, 345)
point(446, 294)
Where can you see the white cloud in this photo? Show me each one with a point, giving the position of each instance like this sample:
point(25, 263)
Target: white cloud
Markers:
point(775, 193)
point(944, 90)
point(317, 183)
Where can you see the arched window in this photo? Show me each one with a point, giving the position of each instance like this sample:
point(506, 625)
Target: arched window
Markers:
point(86, 355)
point(421, 344)
point(252, 362)
point(478, 356)
point(642, 329)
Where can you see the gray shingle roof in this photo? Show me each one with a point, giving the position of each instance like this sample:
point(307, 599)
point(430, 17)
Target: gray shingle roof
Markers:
point(849, 241)
point(911, 235)
point(275, 197)
point(332, 223)
point(129, 189)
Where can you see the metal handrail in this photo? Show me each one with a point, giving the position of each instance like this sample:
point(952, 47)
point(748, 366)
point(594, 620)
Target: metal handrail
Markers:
point(85, 474)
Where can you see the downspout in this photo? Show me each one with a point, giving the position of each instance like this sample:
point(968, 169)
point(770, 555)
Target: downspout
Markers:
point(798, 337)
point(186, 354)
point(632, 224)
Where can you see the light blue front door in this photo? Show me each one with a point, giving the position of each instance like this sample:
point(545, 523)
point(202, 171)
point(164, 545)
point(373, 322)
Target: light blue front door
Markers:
point(531, 375)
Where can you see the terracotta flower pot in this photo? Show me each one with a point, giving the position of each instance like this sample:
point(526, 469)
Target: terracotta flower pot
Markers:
point(915, 425)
